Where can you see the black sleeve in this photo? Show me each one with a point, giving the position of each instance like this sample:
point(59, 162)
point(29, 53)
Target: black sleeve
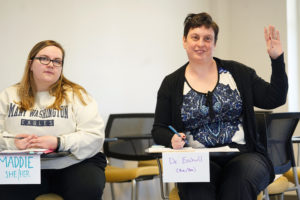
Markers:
point(163, 115)
point(271, 95)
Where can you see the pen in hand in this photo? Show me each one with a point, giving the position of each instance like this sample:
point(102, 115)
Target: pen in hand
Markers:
point(13, 137)
point(174, 131)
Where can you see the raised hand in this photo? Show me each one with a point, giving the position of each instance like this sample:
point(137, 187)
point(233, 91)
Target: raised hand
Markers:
point(272, 38)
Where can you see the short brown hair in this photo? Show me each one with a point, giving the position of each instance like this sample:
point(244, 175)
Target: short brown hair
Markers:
point(198, 20)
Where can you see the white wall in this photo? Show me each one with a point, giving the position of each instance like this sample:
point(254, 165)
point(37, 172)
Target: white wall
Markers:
point(244, 23)
point(118, 50)
point(121, 50)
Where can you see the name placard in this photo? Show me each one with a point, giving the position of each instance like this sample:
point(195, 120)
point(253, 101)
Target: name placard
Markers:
point(186, 167)
point(20, 169)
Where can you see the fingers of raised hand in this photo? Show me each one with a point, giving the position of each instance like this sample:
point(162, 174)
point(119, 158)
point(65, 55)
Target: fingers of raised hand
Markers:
point(266, 34)
point(277, 35)
point(271, 33)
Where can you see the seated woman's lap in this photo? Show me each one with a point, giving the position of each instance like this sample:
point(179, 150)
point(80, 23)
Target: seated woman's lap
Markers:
point(234, 177)
point(85, 180)
point(205, 191)
point(246, 173)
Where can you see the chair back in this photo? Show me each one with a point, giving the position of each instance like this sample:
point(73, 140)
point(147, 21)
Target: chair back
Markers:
point(133, 133)
point(278, 129)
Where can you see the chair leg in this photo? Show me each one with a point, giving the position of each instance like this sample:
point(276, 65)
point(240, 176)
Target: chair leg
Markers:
point(162, 193)
point(112, 191)
point(133, 189)
point(295, 174)
point(136, 190)
point(282, 196)
point(266, 194)
point(167, 188)
point(298, 154)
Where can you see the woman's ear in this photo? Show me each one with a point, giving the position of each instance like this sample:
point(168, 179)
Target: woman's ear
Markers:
point(184, 42)
point(29, 63)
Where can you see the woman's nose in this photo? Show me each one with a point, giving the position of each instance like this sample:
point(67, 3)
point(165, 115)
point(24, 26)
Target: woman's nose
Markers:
point(200, 42)
point(51, 64)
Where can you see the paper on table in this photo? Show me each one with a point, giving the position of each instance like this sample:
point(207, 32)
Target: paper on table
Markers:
point(190, 149)
point(36, 151)
point(218, 149)
point(165, 149)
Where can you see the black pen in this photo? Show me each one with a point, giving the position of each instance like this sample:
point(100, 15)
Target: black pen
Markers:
point(13, 137)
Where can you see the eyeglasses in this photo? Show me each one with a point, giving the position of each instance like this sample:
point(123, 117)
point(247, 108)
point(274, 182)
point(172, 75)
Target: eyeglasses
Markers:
point(45, 60)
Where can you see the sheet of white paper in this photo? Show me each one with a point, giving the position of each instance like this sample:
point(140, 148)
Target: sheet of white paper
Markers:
point(185, 167)
point(165, 149)
point(32, 151)
point(20, 168)
point(217, 149)
point(190, 149)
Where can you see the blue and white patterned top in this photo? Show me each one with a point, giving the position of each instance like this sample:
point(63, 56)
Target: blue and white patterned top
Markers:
point(214, 119)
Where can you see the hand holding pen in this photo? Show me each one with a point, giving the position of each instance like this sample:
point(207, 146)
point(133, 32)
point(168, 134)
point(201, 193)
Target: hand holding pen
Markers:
point(22, 141)
point(178, 140)
point(13, 137)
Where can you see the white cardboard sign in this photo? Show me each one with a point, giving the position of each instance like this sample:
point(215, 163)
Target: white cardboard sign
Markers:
point(186, 167)
point(20, 169)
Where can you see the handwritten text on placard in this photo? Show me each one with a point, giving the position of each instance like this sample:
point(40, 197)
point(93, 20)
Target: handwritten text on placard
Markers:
point(185, 166)
point(20, 169)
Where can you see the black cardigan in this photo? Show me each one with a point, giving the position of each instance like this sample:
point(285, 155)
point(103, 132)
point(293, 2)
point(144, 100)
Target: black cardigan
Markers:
point(254, 91)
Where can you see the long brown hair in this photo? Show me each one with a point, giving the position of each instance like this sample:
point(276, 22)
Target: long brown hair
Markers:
point(27, 88)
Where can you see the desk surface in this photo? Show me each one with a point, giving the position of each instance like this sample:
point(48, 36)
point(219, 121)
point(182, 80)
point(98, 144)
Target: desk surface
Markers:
point(296, 139)
point(213, 152)
point(51, 154)
point(56, 154)
point(223, 149)
point(67, 153)
point(110, 139)
point(135, 137)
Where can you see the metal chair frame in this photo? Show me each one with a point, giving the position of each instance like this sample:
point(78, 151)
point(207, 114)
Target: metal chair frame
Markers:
point(132, 151)
point(267, 125)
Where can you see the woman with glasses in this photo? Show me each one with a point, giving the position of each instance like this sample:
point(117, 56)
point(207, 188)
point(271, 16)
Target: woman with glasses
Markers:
point(46, 110)
point(209, 102)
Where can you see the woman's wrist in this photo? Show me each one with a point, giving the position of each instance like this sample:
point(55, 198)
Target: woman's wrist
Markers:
point(58, 144)
point(279, 58)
